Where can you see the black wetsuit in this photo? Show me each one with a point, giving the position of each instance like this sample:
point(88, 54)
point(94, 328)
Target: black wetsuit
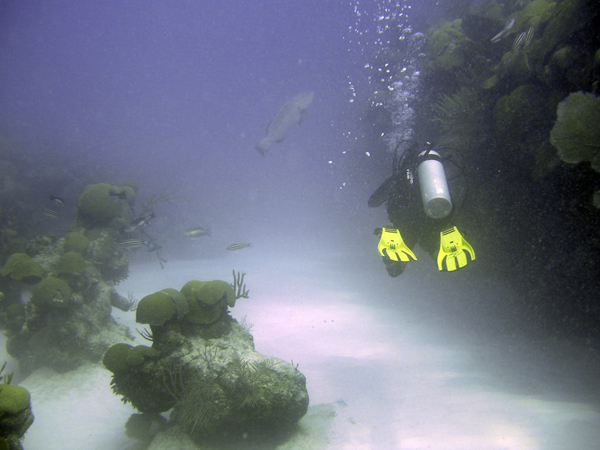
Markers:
point(405, 210)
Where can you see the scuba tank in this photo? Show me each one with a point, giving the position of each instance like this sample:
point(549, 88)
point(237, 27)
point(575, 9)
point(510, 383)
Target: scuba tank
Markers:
point(433, 184)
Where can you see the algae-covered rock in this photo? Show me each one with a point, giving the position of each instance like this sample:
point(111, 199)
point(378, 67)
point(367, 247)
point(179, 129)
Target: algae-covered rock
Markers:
point(482, 20)
point(566, 68)
point(144, 426)
point(217, 388)
point(155, 309)
point(535, 14)
point(446, 47)
point(576, 134)
point(111, 260)
point(75, 242)
point(100, 204)
point(566, 19)
point(52, 293)
point(517, 114)
point(15, 317)
point(20, 267)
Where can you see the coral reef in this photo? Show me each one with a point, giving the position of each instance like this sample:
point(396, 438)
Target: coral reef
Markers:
point(204, 366)
point(67, 318)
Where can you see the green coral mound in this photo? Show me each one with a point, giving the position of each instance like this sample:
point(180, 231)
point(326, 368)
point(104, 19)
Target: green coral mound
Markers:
point(96, 206)
point(71, 263)
point(13, 399)
point(52, 292)
point(115, 358)
point(155, 309)
point(20, 267)
point(207, 300)
point(576, 134)
point(75, 242)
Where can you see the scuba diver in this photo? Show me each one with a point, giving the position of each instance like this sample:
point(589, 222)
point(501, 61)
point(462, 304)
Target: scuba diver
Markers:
point(421, 209)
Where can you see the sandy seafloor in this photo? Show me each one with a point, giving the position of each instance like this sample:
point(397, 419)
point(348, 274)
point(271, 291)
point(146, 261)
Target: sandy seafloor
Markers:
point(410, 363)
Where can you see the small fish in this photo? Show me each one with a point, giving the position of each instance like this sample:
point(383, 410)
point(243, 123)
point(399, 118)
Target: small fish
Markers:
point(59, 201)
point(238, 247)
point(529, 36)
point(154, 248)
point(507, 27)
point(49, 213)
point(121, 195)
point(197, 232)
point(518, 43)
point(130, 244)
point(140, 222)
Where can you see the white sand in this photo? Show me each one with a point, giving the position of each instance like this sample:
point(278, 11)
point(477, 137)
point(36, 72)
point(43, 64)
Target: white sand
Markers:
point(411, 371)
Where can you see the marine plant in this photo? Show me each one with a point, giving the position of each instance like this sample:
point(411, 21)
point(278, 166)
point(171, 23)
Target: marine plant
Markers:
point(460, 119)
point(196, 407)
point(146, 334)
point(132, 302)
point(250, 378)
point(7, 377)
point(166, 196)
point(239, 288)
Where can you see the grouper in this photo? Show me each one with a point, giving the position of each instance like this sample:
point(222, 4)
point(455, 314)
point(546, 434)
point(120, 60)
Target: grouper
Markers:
point(290, 114)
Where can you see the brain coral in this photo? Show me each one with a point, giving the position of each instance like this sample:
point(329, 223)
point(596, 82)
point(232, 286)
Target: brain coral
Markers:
point(52, 292)
point(96, 206)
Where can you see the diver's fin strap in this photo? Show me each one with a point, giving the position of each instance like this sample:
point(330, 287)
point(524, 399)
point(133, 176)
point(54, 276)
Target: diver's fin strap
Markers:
point(455, 252)
point(392, 246)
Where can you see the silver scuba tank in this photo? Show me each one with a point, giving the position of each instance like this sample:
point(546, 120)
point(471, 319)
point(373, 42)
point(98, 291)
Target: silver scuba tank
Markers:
point(433, 185)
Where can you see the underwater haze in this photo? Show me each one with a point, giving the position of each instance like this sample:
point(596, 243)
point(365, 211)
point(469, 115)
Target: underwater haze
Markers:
point(167, 103)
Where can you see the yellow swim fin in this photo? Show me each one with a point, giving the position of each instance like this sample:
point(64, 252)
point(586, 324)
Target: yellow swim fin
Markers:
point(455, 252)
point(392, 246)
